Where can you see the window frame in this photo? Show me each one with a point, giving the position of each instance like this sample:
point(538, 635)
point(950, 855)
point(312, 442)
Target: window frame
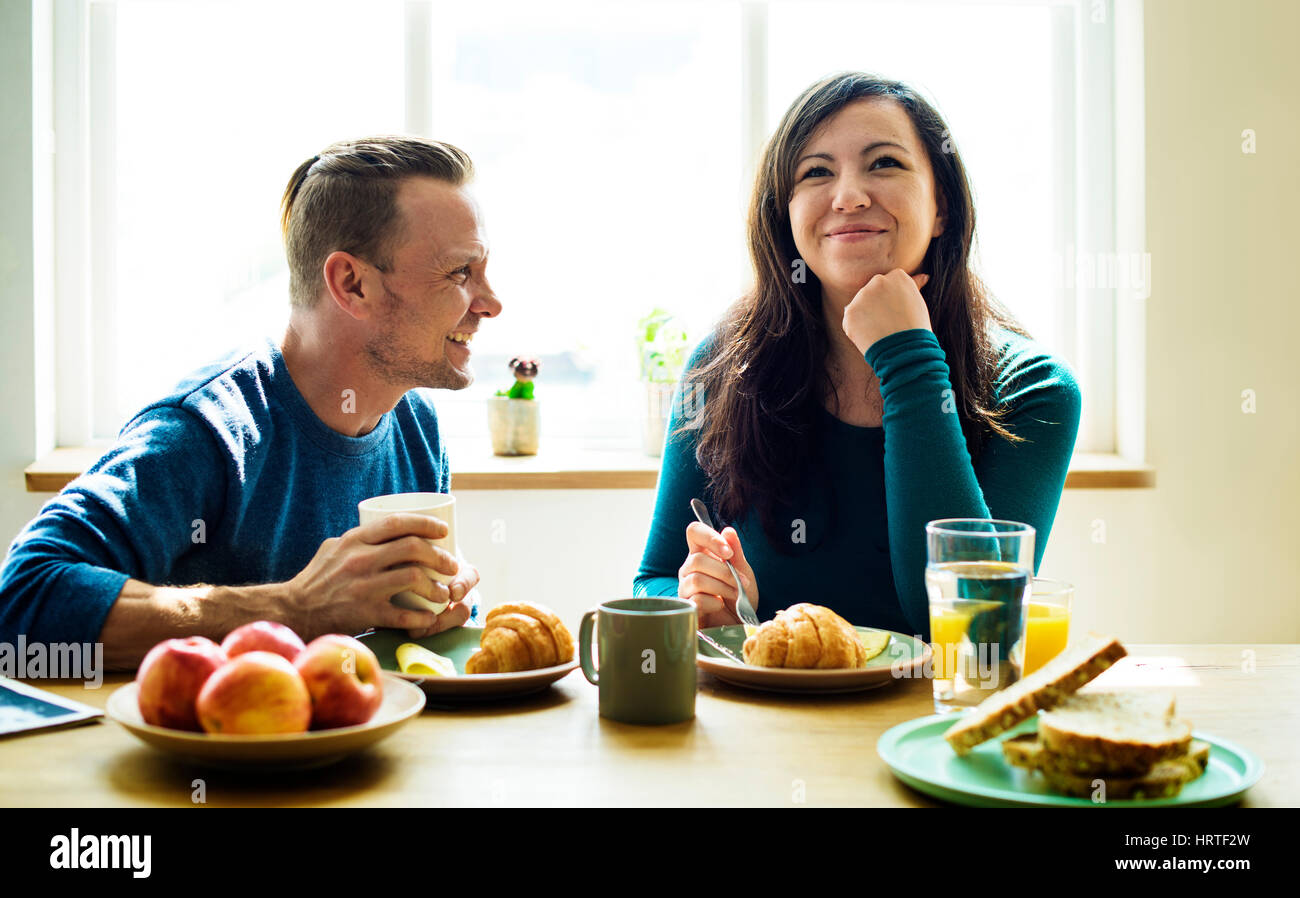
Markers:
point(1099, 115)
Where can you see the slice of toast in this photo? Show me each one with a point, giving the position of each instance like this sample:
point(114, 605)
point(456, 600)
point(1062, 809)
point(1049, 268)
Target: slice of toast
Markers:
point(1027, 751)
point(1098, 740)
point(1043, 689)
point(1134, 711)
point(1165, 779)
point(1125, 703)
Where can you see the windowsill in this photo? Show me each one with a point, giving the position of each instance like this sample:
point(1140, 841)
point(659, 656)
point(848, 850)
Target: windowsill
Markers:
point(569, 465)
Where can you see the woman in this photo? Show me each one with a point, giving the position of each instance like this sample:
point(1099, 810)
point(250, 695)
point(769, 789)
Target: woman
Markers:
point(866, 385)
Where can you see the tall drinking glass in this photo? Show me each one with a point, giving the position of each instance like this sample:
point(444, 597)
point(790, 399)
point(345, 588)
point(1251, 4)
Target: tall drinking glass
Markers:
point(978, 576)
point(1047, 626)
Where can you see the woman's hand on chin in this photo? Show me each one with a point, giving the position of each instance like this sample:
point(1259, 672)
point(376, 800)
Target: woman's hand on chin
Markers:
point(889, 303)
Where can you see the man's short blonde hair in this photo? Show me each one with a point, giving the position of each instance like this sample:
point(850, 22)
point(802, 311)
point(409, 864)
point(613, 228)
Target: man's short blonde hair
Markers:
point(345, 200)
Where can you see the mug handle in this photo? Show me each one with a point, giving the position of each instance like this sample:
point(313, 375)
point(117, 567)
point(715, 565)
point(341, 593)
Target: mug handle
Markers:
point(584, 647)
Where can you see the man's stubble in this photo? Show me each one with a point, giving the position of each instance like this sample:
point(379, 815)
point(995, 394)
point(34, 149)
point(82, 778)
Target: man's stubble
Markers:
point(389, 357)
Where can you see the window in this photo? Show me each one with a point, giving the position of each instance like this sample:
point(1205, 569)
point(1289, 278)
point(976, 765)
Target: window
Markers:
point(216, 104)
point(614, 144)
point(606, 139)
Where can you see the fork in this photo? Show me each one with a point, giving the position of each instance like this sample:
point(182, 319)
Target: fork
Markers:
point(743, 608)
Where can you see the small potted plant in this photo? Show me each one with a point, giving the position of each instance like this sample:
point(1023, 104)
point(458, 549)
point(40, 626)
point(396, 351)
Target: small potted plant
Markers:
point(663, 346)
point(514, 419)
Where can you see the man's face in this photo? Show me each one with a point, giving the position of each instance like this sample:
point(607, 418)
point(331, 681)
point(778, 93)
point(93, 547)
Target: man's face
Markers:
point(435, 290)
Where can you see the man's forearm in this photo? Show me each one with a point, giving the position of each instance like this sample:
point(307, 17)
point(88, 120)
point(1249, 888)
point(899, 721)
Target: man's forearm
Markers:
point(144, 615)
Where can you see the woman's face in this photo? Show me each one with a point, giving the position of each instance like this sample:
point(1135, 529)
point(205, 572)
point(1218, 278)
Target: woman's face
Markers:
point(864, 200)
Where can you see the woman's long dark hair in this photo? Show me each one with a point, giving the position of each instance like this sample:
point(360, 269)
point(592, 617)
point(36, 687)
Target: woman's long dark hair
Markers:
point(765, 380)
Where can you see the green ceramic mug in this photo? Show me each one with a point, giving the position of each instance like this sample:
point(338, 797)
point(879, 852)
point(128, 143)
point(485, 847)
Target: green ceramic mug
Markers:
point(647, 659)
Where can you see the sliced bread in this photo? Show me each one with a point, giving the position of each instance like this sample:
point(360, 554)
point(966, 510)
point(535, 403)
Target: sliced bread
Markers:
point(1135, 707)
point(1043, 689)
point(1165, 779)
point(1028, 751)
point(1126, 703)
point(1093, 740)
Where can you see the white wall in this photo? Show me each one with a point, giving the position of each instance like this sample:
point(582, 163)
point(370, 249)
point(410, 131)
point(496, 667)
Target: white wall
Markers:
point(569, 549)
point(1209, 555)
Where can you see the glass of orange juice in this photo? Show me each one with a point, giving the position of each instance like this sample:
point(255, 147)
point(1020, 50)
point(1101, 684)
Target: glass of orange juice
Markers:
point(977, 577)
point(1047, 624)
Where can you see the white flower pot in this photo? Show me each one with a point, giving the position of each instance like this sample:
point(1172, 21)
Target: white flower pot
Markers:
point(658, 407)
point(515, 425)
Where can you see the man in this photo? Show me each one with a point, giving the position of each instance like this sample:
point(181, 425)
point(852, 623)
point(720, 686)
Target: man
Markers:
point(248, 474)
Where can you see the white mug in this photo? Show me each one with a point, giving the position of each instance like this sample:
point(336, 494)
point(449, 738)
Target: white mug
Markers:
point(435, 505)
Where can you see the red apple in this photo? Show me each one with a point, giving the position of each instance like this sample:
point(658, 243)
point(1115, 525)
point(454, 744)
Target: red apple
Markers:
point(171, 677)
point(256, 692)
point(262, 636)
point(343, 678)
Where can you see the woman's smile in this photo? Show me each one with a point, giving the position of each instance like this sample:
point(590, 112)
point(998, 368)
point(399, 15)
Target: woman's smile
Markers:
point(853, 236)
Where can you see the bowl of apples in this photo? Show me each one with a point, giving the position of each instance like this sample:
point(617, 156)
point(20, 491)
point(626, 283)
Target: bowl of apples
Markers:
point(263, 698)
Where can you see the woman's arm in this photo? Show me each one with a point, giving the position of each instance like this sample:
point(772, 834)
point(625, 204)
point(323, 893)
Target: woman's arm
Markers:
point(1024, 481)
point(929, 473)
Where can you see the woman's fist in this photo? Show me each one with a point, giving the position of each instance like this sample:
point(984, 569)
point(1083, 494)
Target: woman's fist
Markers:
point(889, 303)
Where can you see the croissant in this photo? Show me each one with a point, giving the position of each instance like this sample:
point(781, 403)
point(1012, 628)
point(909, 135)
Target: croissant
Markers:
point(806, 636)
point(520, 636)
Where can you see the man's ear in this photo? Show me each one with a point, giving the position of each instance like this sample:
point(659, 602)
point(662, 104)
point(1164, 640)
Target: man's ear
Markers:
point(345, 280)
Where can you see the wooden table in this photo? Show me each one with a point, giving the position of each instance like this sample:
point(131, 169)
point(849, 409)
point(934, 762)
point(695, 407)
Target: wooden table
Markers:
point(743, 748)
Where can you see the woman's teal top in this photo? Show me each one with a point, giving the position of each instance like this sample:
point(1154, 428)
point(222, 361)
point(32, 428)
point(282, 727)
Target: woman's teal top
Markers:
point(857, 537)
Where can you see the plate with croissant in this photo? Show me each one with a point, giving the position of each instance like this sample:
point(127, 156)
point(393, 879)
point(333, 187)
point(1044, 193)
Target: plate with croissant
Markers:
point(810, 648)
point(521, 647)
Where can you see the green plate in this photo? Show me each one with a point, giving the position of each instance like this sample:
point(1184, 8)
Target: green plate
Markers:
point(458, 644)
point(903, 658)
point(919, 756)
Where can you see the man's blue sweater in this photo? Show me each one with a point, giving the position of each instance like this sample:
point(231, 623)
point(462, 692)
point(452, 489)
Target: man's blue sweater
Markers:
point(229, 480)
